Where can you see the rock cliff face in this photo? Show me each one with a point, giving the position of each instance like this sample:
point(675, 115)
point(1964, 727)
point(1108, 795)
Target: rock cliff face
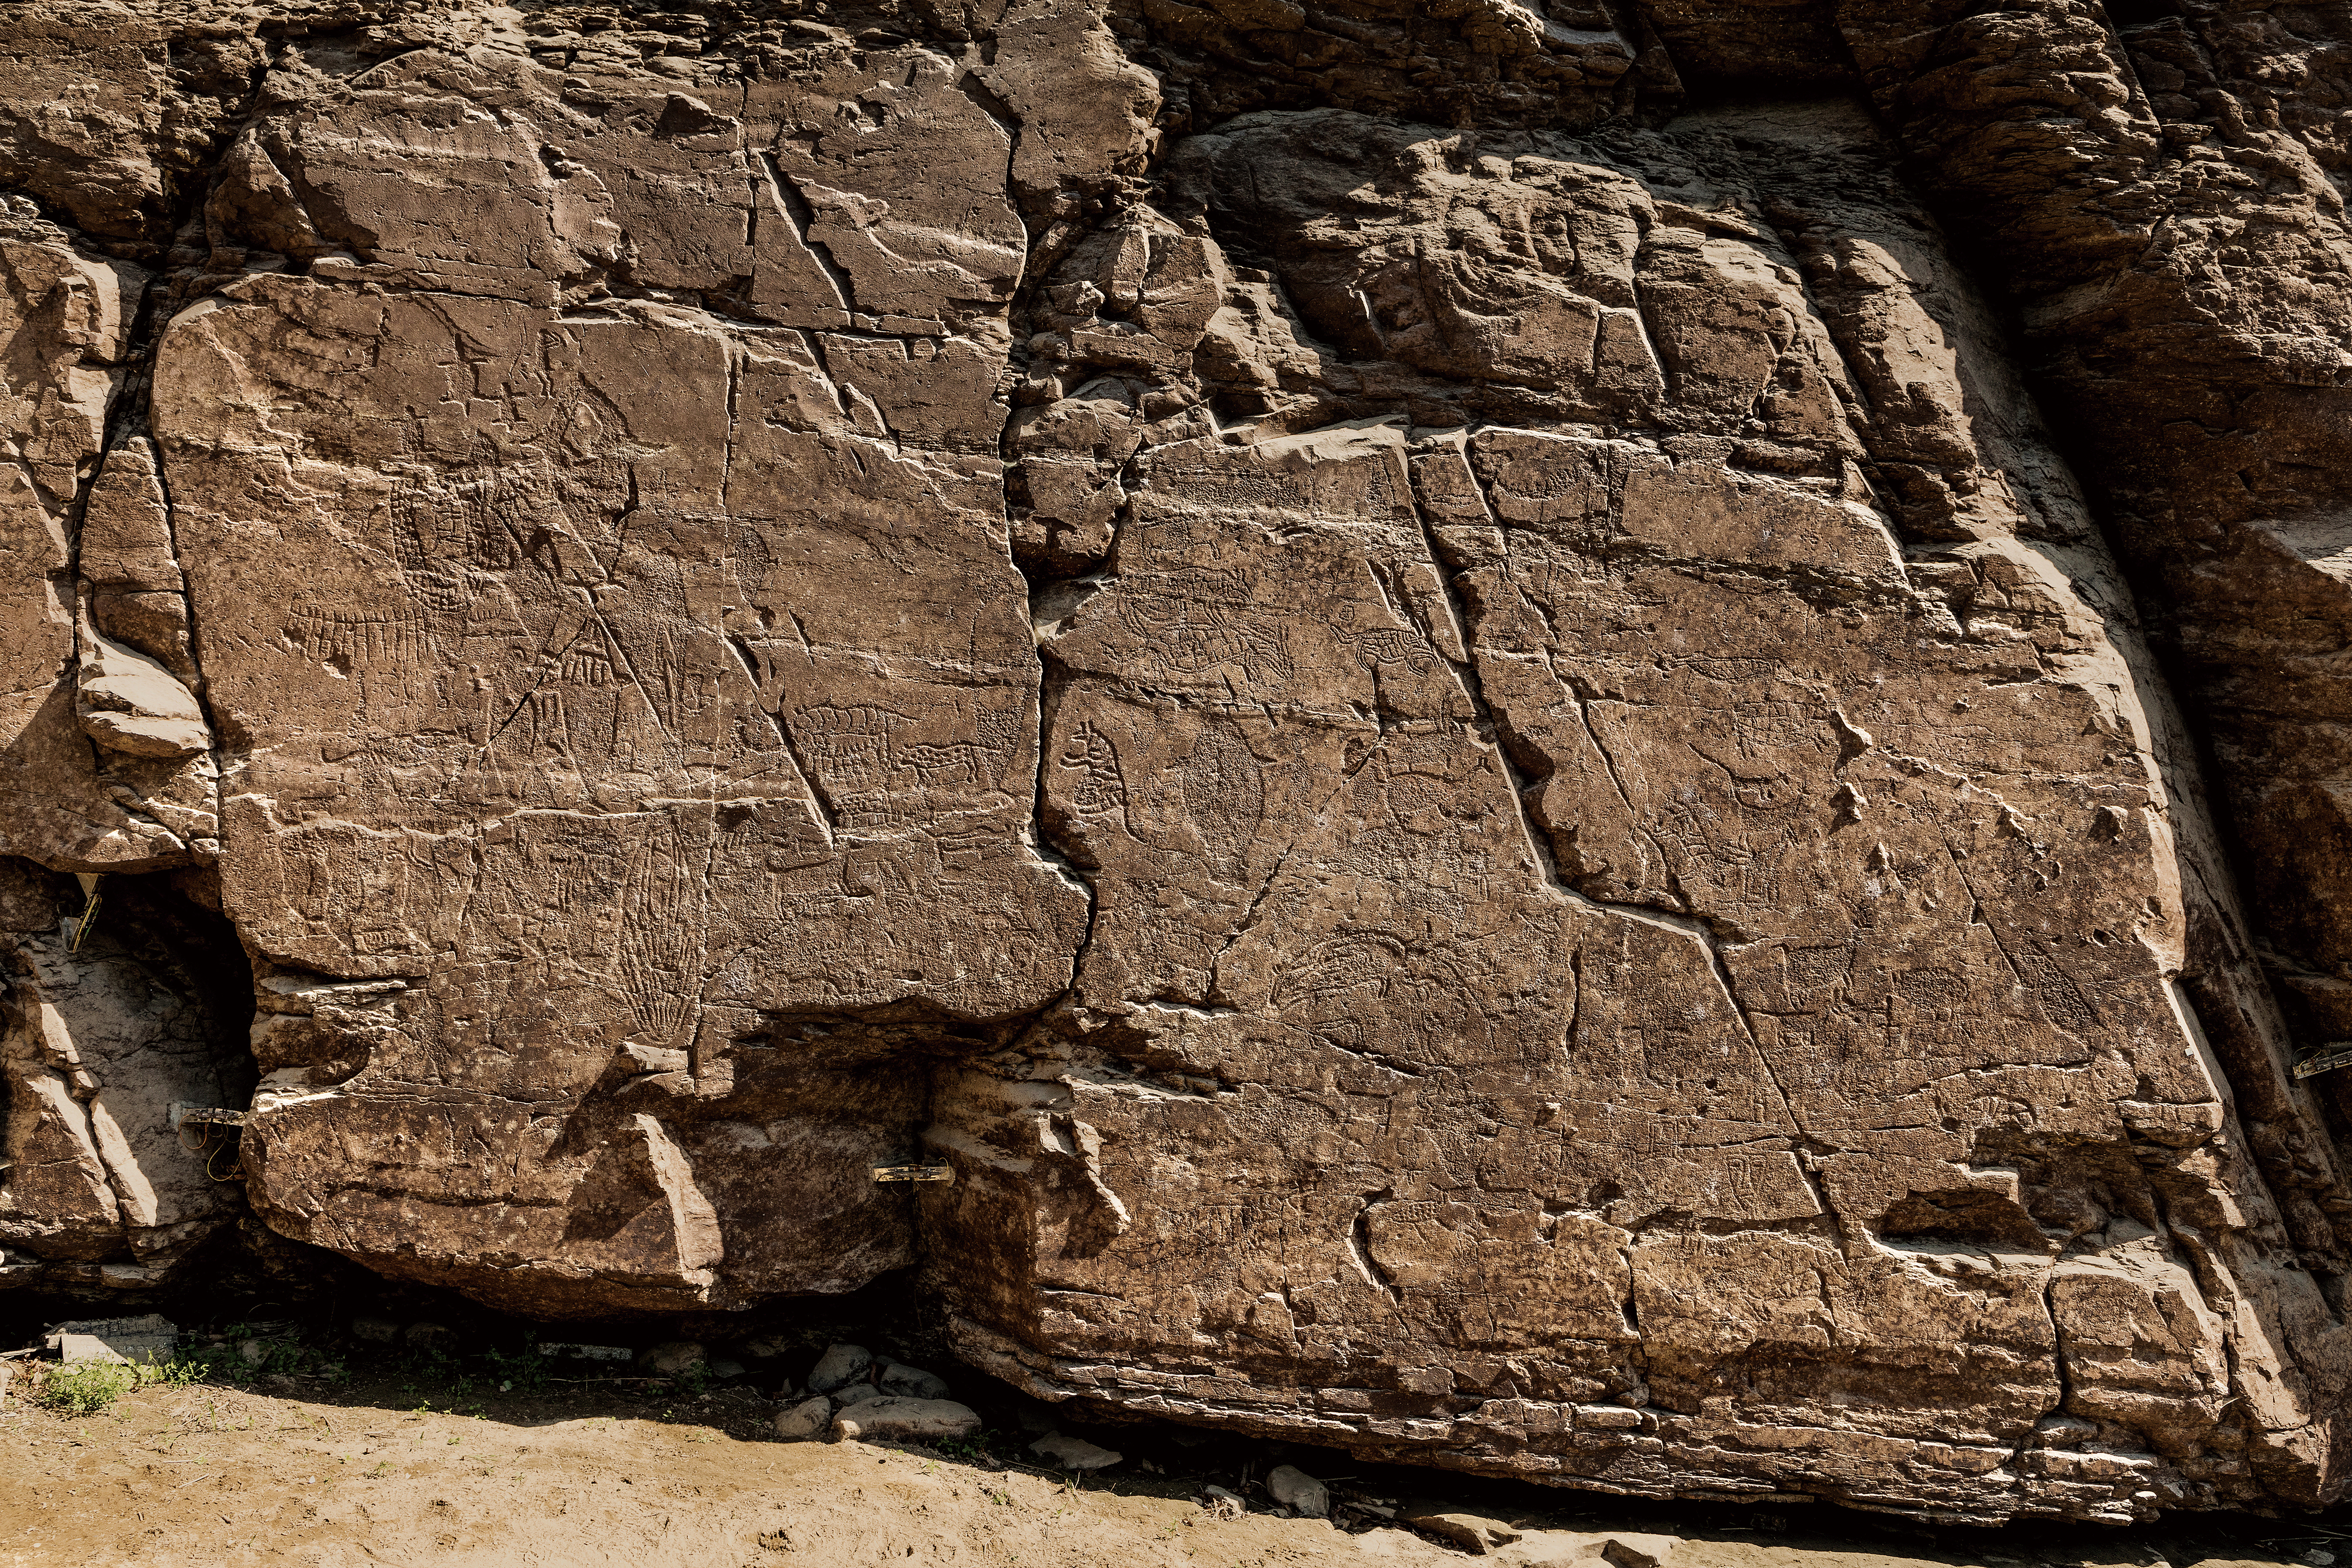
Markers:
point(1416, 675)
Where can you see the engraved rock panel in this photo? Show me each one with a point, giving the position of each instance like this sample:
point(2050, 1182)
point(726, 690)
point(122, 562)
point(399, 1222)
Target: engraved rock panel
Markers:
point(1422, 683)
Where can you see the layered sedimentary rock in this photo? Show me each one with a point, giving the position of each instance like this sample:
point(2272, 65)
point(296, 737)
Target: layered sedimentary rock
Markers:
point(1421, 682)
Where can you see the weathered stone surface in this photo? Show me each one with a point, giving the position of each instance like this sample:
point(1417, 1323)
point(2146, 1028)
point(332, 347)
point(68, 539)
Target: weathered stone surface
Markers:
point(839, 1366)
point(103, 1036)
point(1473, 1533)
point(1559, 1548)
point(912, 1381)
point(672, 1358)
point(1420, 681)
point(1299, 1492)
point(894, 1420)
point(809, 1418)
point(1065, 1452)
point(150, 1338)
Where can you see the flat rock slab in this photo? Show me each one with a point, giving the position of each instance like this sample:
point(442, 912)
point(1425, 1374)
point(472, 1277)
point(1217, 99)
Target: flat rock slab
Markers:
point(1299, 1492)
point(1068, 1453)
point(150, 1339)
point(1548, 1548)
point(809, 1418)
point(1473, 1533)
point(896, 1420)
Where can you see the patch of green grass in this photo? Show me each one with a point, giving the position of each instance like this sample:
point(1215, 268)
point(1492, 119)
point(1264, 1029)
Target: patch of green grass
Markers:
point(524, 1373)
point(976, 1447)
point(86, 1387)
point(178, 1374)
point(279, 1353)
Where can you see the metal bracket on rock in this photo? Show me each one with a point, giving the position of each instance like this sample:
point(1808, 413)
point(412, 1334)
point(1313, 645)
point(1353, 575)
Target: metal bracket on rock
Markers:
point(90, 895)
point(182, 1113)
point(2326, 1059)
point(914, 1173)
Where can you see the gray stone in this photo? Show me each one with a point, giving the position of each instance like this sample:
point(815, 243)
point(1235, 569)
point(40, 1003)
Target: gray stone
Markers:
point(839, 1366)
point(1068, 1453)
point(856, 1394)
point(912, 1382)
point(86, 1347)
point(672, 1358)
point(1298, 1491)
point(895, 1420)
point(375, 1330)
point(809, 1417)
point(151, 1338)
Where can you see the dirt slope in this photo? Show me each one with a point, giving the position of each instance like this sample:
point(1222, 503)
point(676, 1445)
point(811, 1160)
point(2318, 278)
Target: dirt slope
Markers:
point(208, 1475)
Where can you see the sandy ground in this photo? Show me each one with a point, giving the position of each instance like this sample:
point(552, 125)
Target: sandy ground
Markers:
point(204, 1475)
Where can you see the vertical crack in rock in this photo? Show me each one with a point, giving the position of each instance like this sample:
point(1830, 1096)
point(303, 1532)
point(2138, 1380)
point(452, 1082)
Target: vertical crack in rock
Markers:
point(1574, 690)
point(821, 810)
point(794, 209)
point(1359, 1247)
point(1539, 850)
point(1039, 840)
point(223, 759)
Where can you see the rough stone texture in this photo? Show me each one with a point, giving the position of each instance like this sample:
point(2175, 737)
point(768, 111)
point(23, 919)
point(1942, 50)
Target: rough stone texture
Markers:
point(101, 1042)
point(1298, 1491)
point(912, 1382)
point(1076, 1455)
point(672, 1358)
point(1419, 678)
point(839, 1366)
point(809, 1418)
point(894, 1420)
point(151, 1338)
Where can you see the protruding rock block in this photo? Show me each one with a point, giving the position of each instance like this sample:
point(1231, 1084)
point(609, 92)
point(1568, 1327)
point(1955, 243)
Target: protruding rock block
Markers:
point(130, 702)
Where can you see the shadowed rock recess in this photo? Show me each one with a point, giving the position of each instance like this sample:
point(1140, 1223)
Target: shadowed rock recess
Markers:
point(1418, 676)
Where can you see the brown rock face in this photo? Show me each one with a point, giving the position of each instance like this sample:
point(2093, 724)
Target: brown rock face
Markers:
point(1421, 683)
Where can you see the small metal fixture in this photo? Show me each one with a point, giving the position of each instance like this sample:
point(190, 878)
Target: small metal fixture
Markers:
point(2336, 1053)
point(914, 1173)
point(182, 1113)
point(90, 895)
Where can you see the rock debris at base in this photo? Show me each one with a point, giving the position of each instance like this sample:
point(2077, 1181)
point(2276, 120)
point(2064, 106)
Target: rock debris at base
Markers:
point(672, 1358)
point(1074, 1454)
point(891, 1420)
point(150, 1339)
point(1299, 1492)
point(809, 1418)
point(1598, 744)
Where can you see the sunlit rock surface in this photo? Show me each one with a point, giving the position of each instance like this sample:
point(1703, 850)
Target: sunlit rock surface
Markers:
point(1598, 744)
